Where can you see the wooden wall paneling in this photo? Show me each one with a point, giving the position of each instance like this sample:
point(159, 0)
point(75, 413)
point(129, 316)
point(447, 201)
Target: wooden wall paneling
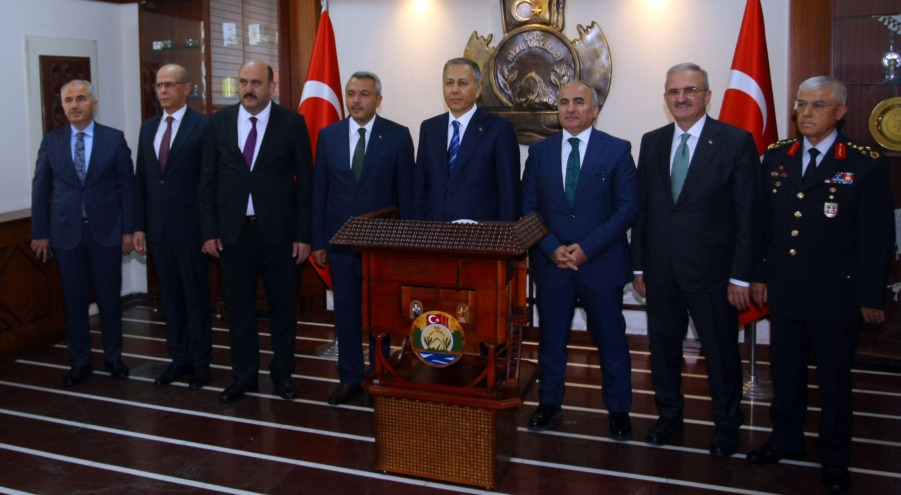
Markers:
point(32, 312)
point(853, 8)
point(810, 46)
point(303, 16)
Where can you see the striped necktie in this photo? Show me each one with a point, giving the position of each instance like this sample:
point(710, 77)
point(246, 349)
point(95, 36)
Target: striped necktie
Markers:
point(454, 147)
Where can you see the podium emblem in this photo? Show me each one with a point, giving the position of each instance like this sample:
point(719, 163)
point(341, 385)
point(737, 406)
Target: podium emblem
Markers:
point(437, 339)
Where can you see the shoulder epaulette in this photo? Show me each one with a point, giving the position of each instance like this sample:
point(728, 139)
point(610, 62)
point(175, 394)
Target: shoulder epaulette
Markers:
point(864, 150)
point(779, 144)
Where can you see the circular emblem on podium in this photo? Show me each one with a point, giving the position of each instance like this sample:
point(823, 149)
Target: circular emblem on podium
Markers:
point(437, 339)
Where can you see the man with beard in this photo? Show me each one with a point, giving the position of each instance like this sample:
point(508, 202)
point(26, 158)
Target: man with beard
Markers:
point(255, 216)
point(693, 252)
point(81, 206)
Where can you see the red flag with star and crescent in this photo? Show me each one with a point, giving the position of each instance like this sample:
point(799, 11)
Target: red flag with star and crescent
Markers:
point(748, 101)
point(321, 103)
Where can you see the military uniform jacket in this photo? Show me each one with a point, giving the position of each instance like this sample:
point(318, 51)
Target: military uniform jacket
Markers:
point(827, 246)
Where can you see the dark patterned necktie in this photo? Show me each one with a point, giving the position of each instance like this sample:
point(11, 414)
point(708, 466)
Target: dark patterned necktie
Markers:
point(164, 144)
point(79, 156)
point(680, 167)
point(251, 143)
point(572, 171)
point(454, 147)
point(356, 165)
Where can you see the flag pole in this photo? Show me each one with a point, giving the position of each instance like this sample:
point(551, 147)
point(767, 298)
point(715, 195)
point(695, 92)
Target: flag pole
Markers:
point(753, 388)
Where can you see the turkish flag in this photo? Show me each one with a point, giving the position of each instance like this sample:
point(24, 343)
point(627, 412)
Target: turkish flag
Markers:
point(748, 101)
point(321, 103)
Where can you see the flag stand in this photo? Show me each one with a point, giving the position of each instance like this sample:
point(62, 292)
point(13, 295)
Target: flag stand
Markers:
point(328, 350)
point(753, 388)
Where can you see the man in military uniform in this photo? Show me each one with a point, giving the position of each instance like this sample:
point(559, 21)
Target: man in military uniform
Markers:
point(823, 266)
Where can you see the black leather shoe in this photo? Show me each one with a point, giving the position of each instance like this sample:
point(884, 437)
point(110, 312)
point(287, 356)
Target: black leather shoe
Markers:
point(767, 454)
point(286, 389)
point(77, 375)
point(172, 374)
point(724, 442)
point(663, 431)
point(117, 369)
point(200, 378)
point(544, 416)
point(836, 479)
point(343, 393)
point(620, 426)
point(236, 390)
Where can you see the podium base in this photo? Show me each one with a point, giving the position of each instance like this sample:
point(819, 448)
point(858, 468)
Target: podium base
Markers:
point(328, 350)
point(755, 389)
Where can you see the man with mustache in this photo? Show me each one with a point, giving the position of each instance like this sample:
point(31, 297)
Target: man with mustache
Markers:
point(693, 251)
point(255, 197)
point(363, 164)
point(823, 267)
point(467, 163)
point(167, 225)
point(81, 206)
point(582, 183)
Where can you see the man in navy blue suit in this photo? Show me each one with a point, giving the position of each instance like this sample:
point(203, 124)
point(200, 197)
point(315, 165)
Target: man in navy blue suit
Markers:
point(81, 206)
point(583, 184)
point(363, 163)
point(467, 163)
point(167, 224)
point(693, 253)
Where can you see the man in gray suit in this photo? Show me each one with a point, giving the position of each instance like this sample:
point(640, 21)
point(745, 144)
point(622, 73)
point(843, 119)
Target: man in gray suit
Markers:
point(81, 206)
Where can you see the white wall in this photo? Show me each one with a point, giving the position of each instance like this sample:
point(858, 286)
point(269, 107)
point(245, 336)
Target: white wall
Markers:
point(114, 27)
point(406, 43)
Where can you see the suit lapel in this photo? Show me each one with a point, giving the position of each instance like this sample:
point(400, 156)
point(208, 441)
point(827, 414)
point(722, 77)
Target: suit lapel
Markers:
point(373, 149)
point(266, 146)
point(554, 154)
point(188, 122)
point(97, 148)
point(148, 135)
point(708, 142)
point(664, 148)
point(231, 133)
point(474, 132)
point(66, 145)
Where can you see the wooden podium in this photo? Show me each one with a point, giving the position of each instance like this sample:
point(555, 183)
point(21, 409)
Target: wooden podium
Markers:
point(456, 423)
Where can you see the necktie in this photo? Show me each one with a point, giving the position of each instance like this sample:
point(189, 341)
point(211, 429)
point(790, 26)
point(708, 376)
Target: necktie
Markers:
point(814, 153)
point(454, 146)
point(164, 144)
point(680, 167)
point(251, 143)
point(79, 166)
point(572, 170)
point(356, 165)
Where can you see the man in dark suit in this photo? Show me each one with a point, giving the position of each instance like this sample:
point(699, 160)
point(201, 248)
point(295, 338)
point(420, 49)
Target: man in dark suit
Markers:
point(823, 266)
point(363, 164)
point(81, 206)
point(167, 210)
point(255, 212)
point(692, 251)
point(467, 163)
point(582, 182)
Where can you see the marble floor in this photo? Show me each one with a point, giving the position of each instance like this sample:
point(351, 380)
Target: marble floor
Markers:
point(112, 437)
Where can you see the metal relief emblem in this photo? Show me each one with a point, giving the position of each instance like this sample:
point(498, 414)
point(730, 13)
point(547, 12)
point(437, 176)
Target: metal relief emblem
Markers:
point(533, 61)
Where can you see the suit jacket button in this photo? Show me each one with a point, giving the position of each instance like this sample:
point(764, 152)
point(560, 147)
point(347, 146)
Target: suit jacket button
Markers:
point(800, 195)
point(794, 233)
point(797, 214)
point(572, 215)
point(792, 252)
point(161, 182)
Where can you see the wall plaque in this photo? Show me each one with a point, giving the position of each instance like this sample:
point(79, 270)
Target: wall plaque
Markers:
point(526, 70)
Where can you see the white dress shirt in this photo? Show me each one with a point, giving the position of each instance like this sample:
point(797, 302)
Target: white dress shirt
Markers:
point(567, 148)
point(244, 127)
point(177, 117)
point(464, 122)
point(355, 136)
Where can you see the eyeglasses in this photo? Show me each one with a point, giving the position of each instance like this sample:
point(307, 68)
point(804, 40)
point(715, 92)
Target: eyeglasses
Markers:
point(167, 85)
point(818, 106)
point(690, 92)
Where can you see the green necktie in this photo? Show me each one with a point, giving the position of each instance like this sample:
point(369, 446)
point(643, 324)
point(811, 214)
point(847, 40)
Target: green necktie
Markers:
point(356, 164)
point(680, 167)
point(572, 170)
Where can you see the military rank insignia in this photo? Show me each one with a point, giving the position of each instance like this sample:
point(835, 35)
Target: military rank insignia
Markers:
point(830, 210)
point(437, 339)
point(842, 178)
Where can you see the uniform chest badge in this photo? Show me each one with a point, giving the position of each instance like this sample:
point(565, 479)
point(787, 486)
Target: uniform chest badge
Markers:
point(842, 178)
point(830, 210)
